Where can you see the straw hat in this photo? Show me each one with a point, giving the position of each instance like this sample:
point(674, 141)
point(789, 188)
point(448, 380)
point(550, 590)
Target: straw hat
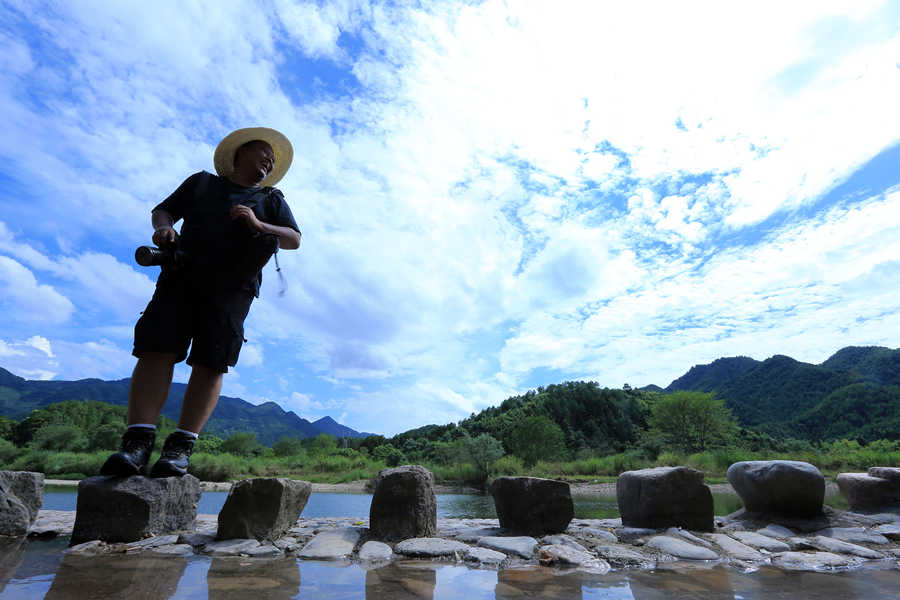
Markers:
point(223, 159)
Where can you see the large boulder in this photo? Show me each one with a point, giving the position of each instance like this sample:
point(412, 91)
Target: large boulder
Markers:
point(787, 488)
point(877, 489)
point(403, 504)
point(665, 497)
point(126, 509)
point(21, 497)
point(263, 509)
point(531, 505)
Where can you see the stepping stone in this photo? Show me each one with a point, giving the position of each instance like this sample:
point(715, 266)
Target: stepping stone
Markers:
point(520, 546)
point(333, 544)
point(665, 497)
point(21, 497)
point(430, 547)
point(879, 488)
point(532, 505)
point(760, 541)
point(681, 549)
point(736, 549)
point(837, 546)
point(262, 508)
point(403, 504)
point(778, 487)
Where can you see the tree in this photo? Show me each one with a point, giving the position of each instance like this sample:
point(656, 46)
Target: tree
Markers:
point(391, 456)
point(287, 446)
point(242, 444)
point(480, 452)
point(537, 438)
point(59, 438)
point(692, 421)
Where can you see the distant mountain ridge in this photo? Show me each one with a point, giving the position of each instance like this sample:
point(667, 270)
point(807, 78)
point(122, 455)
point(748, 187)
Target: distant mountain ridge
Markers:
point(19, 396)
point(855, 393)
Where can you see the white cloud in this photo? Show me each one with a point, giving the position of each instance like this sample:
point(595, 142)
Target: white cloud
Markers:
point(40, 343)
point(21, 295)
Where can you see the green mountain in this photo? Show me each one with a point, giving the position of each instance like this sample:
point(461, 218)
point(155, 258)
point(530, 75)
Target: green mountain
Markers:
point(853, 394)
point(18, 397)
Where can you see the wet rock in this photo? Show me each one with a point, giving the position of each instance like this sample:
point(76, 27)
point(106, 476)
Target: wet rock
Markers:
point(736, 549)
point(50, 523)
point(799, 543)
point(519, 546)
point(624, 558)
point(566, 556)
point(561, 539)
point(151, 542)
point(484, 556)
point(173, 550)
point(263, 508)
point(230, 547)
point(630, 534)
point(877, 489)
point(373, 551)
point(889, 530)
point(287, 544)
point(812, 561)
point(832, 545)
point(758, 541)
point(403, 504)
point(778, 487)
point(602, 534)
point(665, 497)
point(855, 535)
point(333, 544)
point(21, 497)
point(532, 505)
point(430, 547)
point(196, 539)
point(126, 509)
point(473, 534)
point(265, 551)
point(90, 548)
point(687, 536)
point(776, 531)
point(681, 549)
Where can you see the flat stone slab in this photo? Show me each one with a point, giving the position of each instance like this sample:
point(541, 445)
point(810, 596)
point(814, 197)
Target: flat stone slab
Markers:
point(333, 544)
point(813, 561)
point(152, 542)
point(473, 534)
point(230, 547)
point(624, 558)
point(569, 557)
point(687, 536)
point(562, 539)
point(889, 530)
point(736, 549)
point(484, 556)
point(601, 534)
point(759, 541)
point(266, 551)
point(629, 534)
point(173, 550)
point(681, 548)
point(520, 545)
point(832, 545)
point(51, 523)
point(774, 530)
point(799, 543)
point(854, 535)
point(373, 551)
point(430, 547)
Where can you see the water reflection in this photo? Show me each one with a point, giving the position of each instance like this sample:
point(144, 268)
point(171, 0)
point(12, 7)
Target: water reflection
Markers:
point(126, 577)
point(12, 550)
point(236, 578)
point(401, 581)
point(537, 583)
point(699, 581)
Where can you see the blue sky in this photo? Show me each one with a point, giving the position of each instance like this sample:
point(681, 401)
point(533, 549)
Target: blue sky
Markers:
point(493, 196)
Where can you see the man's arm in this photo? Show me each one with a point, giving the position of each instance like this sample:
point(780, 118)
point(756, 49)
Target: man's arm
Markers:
point(288, 239)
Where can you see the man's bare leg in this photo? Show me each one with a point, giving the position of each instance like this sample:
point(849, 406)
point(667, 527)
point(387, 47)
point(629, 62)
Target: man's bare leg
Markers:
point(150, 384)
point(200, 398)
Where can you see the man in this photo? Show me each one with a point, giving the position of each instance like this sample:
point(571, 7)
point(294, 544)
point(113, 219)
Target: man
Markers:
point(232, 223)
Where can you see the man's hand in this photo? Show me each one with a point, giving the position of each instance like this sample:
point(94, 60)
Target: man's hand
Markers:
point(164, 236)
point(246, 213)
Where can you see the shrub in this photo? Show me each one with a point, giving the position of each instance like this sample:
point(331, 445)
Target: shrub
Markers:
point(215, 467)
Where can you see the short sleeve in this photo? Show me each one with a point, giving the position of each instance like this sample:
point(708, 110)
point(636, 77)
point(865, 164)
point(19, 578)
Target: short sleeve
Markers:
point(281, 212)
point(177, 202)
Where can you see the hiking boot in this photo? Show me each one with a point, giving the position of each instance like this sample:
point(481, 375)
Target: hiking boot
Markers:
point(176, 453)
point(134, 454)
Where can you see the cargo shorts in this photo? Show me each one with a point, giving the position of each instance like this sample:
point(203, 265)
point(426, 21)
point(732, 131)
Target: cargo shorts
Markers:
point(184, 313)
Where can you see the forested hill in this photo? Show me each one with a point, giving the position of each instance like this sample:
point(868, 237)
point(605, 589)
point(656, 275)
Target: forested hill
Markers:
point(18, 397)
point(853, 394)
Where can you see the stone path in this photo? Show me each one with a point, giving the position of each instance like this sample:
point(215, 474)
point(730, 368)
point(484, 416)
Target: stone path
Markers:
point(589, 545)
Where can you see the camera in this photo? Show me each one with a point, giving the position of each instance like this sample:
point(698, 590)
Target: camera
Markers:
point(151, 256)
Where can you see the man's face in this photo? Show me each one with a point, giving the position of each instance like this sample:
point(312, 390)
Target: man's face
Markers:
point(255, 160)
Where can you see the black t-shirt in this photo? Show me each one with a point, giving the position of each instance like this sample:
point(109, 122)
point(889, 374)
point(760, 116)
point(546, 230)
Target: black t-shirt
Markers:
point(209, 237)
